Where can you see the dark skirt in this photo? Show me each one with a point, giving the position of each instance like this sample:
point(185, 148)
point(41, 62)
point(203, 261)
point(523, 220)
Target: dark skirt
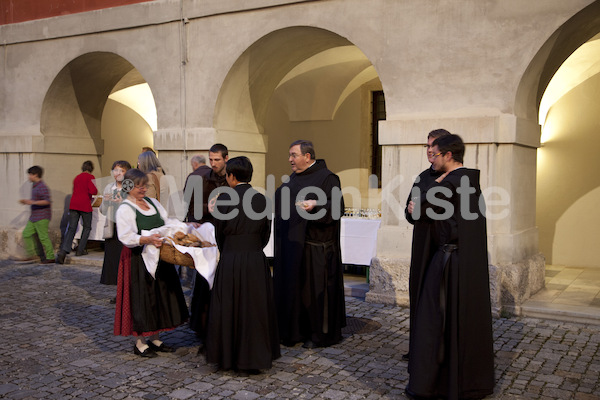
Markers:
point(146, 306)
point(110, 266)
point(242, 328)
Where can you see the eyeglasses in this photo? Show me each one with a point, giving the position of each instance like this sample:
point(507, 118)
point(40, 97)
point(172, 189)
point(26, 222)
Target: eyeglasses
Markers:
point(142, 187)
point(294, 155)
point(434, 155)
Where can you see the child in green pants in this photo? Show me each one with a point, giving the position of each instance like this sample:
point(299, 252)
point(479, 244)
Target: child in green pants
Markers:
point(41, 212)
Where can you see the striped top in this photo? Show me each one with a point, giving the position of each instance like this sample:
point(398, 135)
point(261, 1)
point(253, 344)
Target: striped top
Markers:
point(40, 192)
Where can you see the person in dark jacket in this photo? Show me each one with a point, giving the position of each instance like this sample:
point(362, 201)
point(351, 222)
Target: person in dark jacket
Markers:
point(193, 183)
point(212, 180)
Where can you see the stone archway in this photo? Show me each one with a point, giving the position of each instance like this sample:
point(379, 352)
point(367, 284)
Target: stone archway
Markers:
point(300, 82)
point(75, 108)
point(81, 120)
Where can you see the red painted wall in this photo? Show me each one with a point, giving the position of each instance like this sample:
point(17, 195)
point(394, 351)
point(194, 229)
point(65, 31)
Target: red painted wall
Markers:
point(12, 11)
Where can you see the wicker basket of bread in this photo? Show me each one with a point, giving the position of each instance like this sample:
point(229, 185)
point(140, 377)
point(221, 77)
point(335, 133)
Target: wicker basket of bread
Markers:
point(170, 254)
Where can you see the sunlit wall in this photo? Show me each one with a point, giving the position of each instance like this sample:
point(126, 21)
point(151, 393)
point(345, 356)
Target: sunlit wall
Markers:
point(568, 185)
point(128, 122)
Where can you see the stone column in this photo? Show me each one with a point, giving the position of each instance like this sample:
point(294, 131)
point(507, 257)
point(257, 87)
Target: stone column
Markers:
point(503, 147)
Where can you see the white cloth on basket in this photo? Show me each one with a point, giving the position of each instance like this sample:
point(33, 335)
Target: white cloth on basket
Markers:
point(205, 258)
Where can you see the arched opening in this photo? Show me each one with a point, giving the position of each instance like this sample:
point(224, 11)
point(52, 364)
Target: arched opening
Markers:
point(566, 183)
point(308, 83)
point(563, 82)
point(303, 82)
point(100, 108)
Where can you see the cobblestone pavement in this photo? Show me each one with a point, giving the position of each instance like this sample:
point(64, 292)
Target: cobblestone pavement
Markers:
point(57, 343)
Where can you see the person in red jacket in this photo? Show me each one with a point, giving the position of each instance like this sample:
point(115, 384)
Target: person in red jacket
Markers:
point(79, 207)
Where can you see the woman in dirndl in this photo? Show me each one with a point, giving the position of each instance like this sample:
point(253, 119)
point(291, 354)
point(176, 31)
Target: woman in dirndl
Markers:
point(145, 305)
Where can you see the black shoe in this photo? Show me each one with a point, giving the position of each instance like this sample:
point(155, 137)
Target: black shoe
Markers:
point(60, 258)
point(201, 350)
point(309, 344)
point(405, 356)
point(162, 348)
point(148, 353)
point(81, 253)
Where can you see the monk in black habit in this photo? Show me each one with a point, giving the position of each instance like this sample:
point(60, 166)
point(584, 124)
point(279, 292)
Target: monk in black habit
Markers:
point(242, 326)
point(421, 251)
point(451, 345)
point(308, 271)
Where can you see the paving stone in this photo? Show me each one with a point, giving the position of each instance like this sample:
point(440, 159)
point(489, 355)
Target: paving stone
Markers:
point(182, 394)
point(58, 344)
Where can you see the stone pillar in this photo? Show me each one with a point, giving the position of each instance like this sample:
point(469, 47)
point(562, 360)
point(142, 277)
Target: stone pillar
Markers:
point(503, 147)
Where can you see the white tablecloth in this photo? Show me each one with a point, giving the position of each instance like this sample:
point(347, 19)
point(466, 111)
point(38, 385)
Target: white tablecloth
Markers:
point(358, 240)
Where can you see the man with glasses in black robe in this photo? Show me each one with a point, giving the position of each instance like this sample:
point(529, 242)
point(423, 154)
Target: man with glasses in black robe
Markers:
point(308, 271)
point(451, 344)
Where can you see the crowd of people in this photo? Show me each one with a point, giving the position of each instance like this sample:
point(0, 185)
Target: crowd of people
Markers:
point(250, 310)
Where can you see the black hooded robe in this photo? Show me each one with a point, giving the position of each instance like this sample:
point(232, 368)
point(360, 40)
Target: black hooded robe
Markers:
point(451, 347)
point(308, 271)
point(242, 329)
point(421, 251)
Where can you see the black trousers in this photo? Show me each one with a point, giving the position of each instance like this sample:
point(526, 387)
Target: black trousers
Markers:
point(86, 222)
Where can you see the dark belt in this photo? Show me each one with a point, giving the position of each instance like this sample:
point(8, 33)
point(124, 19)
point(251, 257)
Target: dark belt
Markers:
point(448, 248)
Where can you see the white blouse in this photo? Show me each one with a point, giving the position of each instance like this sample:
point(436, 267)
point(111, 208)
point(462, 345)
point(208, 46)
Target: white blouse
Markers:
point(127, 229)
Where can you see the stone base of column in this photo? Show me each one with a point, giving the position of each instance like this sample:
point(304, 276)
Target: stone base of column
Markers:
point(388, 281)
point(11, 242)
point(510, 284)
point(515, 283)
